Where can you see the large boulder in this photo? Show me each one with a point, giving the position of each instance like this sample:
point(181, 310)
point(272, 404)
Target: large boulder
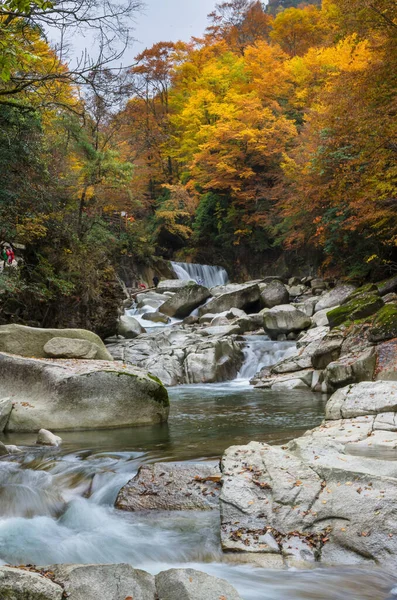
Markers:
point(129, 327)
point(106, 582)
point(212, 361)
point(334, 297)
point(387, 286)
point(273, 293)
point(328, 350)
point(85, 394)
point(241, 296)
point(350, 368)
point(327, 497)
point(189, 584)
point(302, 357)
point(30, 341)
point(22, 584)
point(181, 304)
point(58, 347)
point(284, 319)
point(171, 486)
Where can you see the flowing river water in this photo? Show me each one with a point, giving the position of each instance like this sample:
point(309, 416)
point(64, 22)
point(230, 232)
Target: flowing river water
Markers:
point(57, 505)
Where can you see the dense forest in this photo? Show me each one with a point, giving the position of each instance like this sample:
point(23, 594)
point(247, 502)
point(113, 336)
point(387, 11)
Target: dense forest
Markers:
point(270, 141)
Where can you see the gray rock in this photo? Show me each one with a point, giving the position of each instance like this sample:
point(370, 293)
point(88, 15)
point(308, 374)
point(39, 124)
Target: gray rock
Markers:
point(58, 347)
point(185, 300)
point(173, 285)
point(351, 368)
point(302, 358)
point(129, 327)
point(152, 299)
point(156, 317)
point(362, 399)
point(21, 584)
point(284, 319)
point(386, 361)
point(219, 320)
point(62, 395)
point(273, 293)
point(320, 318)
point(107, 582)
point(387, 286)
point(334, 297)
point(189, 584)
point(318, 284)
point(175, 353)
point(212, 362)
point(5, 411)
point(3, 449)
point(171, 486)
point(243, 296)
point(47, 438)
point(30, 341)
point(390, 298)
point(328, 350)
point(296, 290)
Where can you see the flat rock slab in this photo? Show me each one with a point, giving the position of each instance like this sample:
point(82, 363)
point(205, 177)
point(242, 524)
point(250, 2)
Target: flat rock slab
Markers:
point(172, 486)
point(365, 398)
point(79, 394)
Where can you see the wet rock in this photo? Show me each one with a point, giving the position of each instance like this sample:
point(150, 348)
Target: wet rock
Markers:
point(284, 319)
point(5, 411)
point(172, 486)
point(302, 357)
point(334, 297)
point(47, 438)
point(185, 300)
point(20, 584)
point(214, 361)
point(30, 341)
point(189, 584)
point(155, 317)
point(83, 394)
point(129, 327)
point(108, 582)
point(243, 296)
point(273, 293)
point(287, 381)
point(190, 320)
point(152, 299)
point(58, 347)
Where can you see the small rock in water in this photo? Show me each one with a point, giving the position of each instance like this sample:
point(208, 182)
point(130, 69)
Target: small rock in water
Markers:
point(3, 449)
point(47, 438)
point(13, 449)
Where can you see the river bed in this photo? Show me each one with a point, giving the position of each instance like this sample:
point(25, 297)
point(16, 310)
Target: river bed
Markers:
point(57, 505)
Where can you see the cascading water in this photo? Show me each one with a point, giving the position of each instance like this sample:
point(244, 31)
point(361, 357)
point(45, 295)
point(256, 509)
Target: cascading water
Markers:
point(208, 275)
point(259, 352)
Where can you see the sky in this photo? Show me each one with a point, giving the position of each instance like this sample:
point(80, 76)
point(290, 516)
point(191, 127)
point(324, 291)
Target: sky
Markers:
point(171, 20)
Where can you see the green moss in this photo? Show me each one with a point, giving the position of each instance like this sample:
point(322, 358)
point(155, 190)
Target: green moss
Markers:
point(358, 308)
point(160, 394)
point(364, 290)
point(384, 326)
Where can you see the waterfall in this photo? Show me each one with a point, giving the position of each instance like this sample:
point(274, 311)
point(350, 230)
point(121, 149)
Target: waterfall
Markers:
point(208, 275)
point(259, 352)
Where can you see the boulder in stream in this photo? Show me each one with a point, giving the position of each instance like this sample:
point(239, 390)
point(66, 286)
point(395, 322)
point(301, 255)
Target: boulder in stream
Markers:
point(25, 584)
point(83, 394)
point(284, 319)
point(181, 304)
point(240, 296)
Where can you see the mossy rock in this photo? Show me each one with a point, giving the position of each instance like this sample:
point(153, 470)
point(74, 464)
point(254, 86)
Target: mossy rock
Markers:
point(384, 326)
point(361, 292)
point(358, 308)
point(387, 285)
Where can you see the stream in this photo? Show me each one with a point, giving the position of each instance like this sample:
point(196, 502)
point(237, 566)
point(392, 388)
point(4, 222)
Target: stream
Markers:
point(57, 505)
